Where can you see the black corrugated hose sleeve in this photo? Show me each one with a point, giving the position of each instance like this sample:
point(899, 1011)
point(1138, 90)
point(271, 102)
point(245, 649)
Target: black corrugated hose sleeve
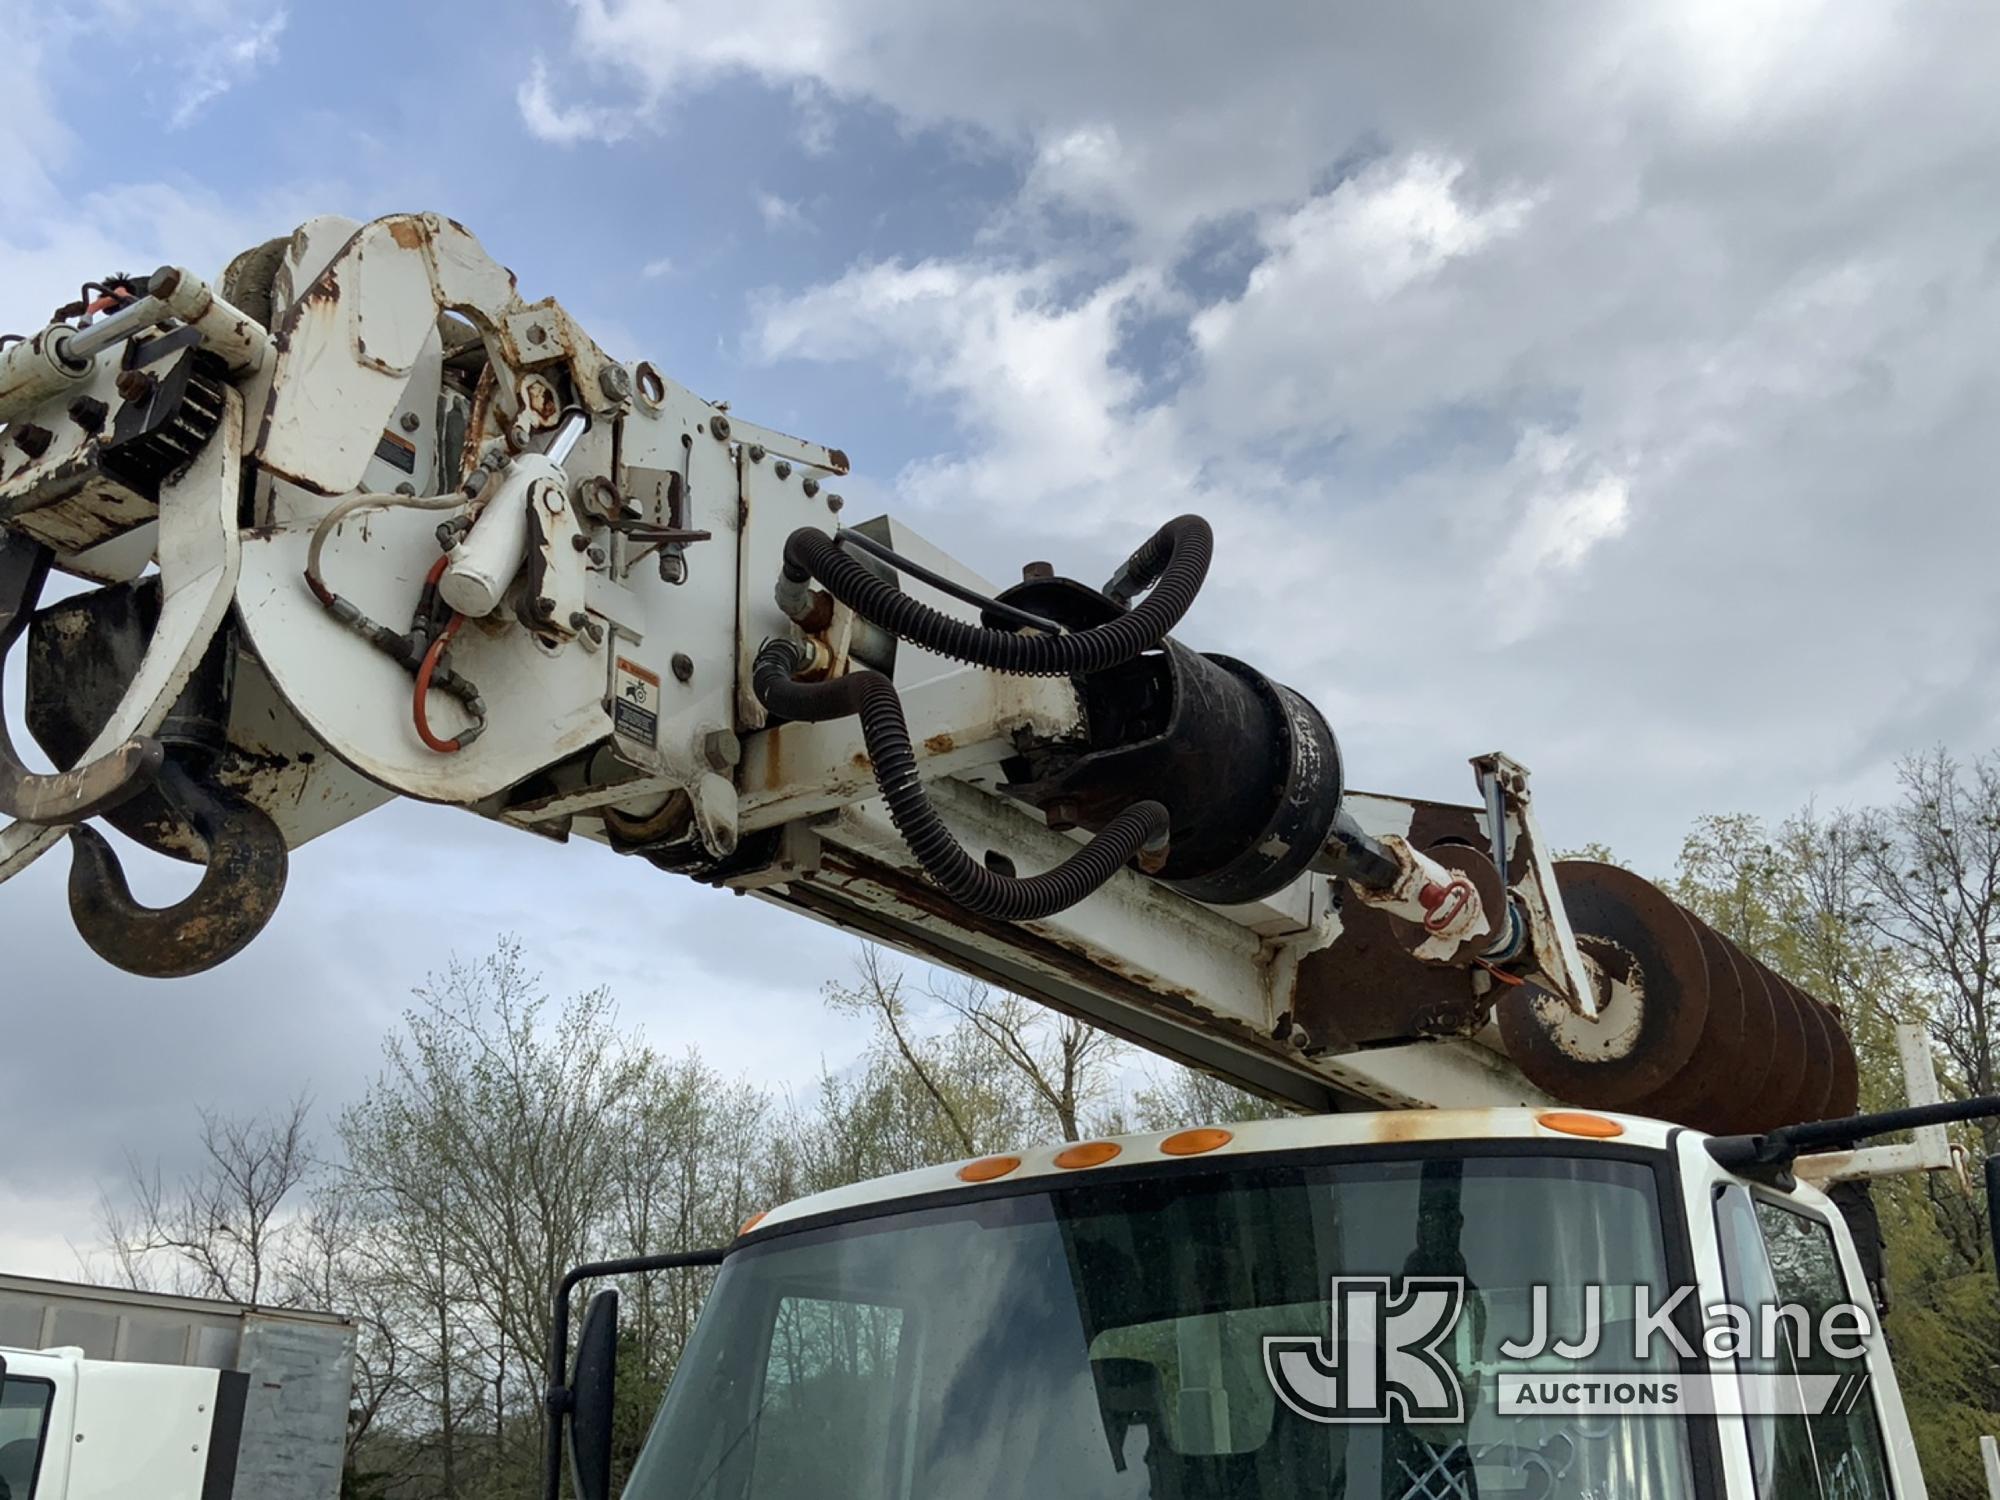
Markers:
point(1174, 561)
point(1142, 826)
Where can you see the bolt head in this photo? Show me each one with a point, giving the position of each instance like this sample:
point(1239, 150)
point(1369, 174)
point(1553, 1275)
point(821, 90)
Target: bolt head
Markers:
point(756, 453)
point(411, 421)
point(614, 382)
point(30, 438)
point(135, 385)
point(834, 503)
point(811, 487)
point(597, 557)
point(782, 469)
point(721, 750)
point(718, 428)
point(578, 619)
point(683, 666)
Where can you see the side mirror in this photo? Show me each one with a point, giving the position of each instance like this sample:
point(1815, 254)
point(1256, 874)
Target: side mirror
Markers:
point(581, 1403)
point(592, 1385)
point(1993, 1208)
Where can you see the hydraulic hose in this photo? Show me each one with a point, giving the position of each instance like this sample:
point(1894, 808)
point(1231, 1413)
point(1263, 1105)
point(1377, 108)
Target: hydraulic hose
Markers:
point(1172, 564)
point(1140, 829)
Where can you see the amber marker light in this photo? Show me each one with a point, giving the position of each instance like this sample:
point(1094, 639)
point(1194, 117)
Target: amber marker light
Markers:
point(1570, 1122)
point(1089, 1154)
point(987, 1168)
point(1195, 1142)
point(753, 1221)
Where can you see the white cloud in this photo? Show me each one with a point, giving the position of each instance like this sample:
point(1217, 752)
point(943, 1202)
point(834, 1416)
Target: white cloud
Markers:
point(779, 213)
point(816, 125)
point(219, 62)
point(1565, 514)
point(1033, 379)
point(1078, 165)
point(1728, 256)
point(1386, 229)
point(653, 269)
point(564, 124)
point(1588, 372)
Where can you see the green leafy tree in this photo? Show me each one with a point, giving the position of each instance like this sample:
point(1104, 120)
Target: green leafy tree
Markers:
point(1807, 900)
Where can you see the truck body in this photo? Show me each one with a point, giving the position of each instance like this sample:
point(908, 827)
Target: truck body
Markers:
point(116, 1392)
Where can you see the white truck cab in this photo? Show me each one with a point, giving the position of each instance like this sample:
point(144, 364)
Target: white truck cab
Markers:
point(73, 1428)
point(1404, 1305)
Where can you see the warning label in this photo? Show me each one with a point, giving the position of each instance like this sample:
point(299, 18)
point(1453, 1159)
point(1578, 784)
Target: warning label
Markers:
point(635, 702)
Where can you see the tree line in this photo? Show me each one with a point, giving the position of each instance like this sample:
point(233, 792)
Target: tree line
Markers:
point(510, 1135)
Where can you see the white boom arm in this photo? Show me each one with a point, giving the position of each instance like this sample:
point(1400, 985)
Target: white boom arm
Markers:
point(474, 560)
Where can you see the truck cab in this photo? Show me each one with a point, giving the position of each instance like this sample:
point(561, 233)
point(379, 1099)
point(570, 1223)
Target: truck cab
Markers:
point(1405, 1305)
point(73, 1428)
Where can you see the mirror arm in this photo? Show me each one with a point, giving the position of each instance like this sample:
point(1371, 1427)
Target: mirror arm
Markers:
point(557, 1398)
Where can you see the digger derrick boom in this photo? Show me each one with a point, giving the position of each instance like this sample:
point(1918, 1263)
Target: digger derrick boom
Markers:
point(416, 536)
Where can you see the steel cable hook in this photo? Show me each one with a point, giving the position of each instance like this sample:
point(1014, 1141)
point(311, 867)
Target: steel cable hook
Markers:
point(236, 898)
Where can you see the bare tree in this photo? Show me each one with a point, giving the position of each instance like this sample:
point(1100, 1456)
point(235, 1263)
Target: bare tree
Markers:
point(880, 995)
point(217, 1231)
point(1066, 1063)
point(1174, 1097)
point(1932, 869)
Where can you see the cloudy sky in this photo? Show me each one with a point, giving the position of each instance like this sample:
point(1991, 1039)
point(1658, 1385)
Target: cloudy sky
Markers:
point(1612, 385)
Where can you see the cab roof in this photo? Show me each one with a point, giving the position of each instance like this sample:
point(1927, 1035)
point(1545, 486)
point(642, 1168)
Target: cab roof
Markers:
point(1246, 1138)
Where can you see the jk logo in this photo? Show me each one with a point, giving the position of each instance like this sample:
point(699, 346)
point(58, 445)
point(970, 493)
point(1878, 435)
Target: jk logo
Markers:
point(1380, 1359)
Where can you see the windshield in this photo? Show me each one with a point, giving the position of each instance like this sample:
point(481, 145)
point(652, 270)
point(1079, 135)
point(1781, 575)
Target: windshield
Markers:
point(1105, 1340)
